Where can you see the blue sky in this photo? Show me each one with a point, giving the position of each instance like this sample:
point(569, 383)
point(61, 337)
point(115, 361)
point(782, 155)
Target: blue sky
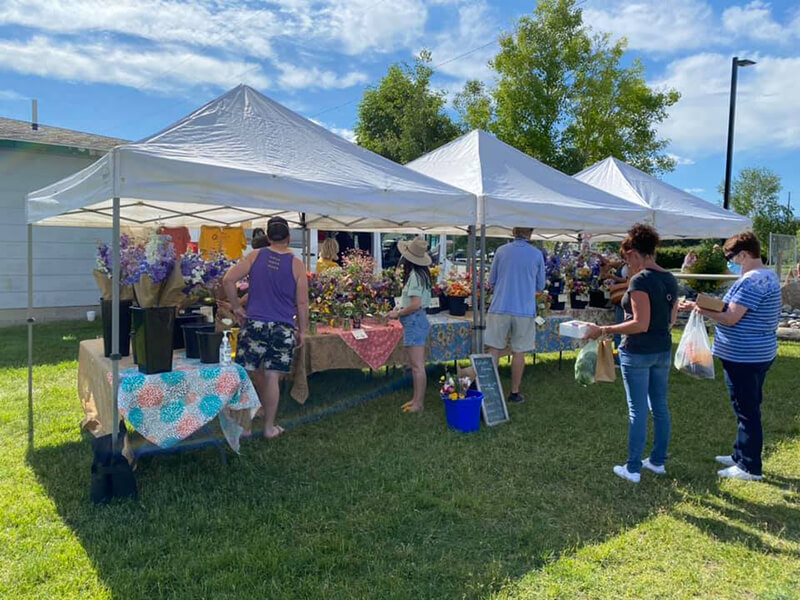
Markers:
point(131, 67)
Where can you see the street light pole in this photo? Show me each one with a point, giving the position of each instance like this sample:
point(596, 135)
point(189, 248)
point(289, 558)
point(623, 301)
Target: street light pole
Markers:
point(735, 64)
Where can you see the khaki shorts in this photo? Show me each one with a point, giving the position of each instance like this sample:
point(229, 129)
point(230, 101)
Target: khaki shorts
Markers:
point(521, 331)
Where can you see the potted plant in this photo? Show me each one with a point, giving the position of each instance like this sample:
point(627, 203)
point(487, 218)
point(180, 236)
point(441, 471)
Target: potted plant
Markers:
point(458, 290)
point(462, 405)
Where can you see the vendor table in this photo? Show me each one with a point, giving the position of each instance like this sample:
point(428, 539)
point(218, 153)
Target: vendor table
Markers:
point(168, 407)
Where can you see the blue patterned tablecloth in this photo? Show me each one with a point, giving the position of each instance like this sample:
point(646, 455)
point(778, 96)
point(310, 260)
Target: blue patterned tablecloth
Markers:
point(451, 338)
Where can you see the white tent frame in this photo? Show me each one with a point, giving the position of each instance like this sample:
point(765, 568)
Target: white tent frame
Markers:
point(117, 217)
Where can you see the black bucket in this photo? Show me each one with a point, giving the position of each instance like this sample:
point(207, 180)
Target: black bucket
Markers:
point(178, 341)
point(209, 342)
point(190, 337)
point(457, 306)
point(124, 326)
point(153, 328)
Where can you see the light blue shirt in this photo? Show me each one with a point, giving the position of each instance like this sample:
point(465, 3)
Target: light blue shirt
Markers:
point(517, 275)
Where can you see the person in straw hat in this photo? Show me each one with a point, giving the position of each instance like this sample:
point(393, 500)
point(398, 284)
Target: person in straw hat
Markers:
point(414, 263)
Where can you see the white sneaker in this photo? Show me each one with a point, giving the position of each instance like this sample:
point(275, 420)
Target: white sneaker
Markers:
point(725, 460)
point(657, 469)
point(735, 472)
point(622, 471)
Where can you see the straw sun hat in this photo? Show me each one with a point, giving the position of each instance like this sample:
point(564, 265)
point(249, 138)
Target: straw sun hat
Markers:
point(415, 252)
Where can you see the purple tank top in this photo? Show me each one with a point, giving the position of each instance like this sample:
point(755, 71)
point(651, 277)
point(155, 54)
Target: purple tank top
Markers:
point(273, 289)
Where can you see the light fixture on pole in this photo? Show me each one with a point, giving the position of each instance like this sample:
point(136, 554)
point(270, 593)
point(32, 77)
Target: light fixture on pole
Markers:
point(735, 64)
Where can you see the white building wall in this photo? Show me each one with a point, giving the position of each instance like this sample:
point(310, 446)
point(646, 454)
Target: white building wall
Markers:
point(64, 257)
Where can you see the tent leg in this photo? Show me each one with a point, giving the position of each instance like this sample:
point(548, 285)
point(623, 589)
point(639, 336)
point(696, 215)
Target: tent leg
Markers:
point(472, 273)
point(30, 321)
point(483, 289)
point(115, 355)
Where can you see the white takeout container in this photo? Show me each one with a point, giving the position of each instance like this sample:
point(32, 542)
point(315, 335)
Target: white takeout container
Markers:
point(573, 329)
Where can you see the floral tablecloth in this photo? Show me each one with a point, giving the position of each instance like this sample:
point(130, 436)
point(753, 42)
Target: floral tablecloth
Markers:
point(450, 338)
point(379, 344)
point(169, 407)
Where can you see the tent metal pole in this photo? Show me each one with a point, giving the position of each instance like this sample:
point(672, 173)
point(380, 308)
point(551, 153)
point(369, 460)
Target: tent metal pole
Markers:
point(115, 355)
point(483, 289)
point(471, 271)
point(306, 242)
point(30, 321)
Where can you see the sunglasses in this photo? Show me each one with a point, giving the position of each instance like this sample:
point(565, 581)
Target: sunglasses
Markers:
point(729, 256)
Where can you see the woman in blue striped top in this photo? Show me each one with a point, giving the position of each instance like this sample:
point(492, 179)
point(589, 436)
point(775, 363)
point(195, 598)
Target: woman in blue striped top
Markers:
point(746, 342)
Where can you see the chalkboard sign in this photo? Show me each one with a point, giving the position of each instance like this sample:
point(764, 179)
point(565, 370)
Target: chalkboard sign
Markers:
point(488, 379)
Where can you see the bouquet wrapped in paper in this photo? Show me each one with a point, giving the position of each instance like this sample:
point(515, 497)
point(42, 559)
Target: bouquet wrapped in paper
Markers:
point(131, 254)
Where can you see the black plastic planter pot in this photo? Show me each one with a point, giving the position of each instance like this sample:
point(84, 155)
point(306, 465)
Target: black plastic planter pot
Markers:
point(597, 299)
point(124, 326)
point(444, 303)
point(153, 328)
point(575, 303)
point(209, 342)
point(190, 337)
point(178, 342)
point(457, 306)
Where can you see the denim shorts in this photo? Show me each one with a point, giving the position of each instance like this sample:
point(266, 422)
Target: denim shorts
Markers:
point(415, 329)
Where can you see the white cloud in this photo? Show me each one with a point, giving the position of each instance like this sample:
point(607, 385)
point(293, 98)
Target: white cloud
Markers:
point(368, 25)
point(680, 160)
point(753, 21)
point(293, 77)
point(694, 190)
point(347, 134)
point(11, 95)
point(124, 65)
point(653, 25)
point(192, 23)
point(476, 27)
point(768, 103)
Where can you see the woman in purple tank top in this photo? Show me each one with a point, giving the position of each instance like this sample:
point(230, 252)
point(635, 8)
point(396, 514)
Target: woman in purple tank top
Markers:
point(276, 318)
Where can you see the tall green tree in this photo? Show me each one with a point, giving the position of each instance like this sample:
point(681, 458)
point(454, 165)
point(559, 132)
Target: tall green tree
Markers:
point(402, 117)
point(755, 193)
point(564, 96)
point(474, 106)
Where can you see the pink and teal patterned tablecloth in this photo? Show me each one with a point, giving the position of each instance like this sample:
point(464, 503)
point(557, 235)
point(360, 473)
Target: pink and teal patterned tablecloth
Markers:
point(169, 407)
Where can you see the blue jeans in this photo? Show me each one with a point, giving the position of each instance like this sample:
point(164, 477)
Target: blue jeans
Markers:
point(745, 382)
point(645, 377)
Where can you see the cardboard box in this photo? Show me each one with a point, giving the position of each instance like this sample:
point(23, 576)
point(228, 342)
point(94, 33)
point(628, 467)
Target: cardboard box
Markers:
point(710, 303)
point(573, 329)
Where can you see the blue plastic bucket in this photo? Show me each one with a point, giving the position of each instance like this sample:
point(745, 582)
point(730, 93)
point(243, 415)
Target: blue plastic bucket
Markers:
point(464, 415)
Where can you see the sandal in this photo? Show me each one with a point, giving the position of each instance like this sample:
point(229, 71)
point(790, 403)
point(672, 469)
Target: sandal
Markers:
point(408, 408)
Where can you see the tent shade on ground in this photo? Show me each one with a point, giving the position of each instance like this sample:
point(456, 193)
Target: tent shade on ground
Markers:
point(516, 190)
point(242, 157)
point(675, 213)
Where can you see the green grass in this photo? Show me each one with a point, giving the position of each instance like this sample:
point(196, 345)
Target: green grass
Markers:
point(370, 503)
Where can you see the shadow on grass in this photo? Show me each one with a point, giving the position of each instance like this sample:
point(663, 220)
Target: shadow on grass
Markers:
point(371, 503)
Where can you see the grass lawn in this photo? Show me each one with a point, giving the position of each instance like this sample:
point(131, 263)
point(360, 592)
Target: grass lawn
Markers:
point(371, 503)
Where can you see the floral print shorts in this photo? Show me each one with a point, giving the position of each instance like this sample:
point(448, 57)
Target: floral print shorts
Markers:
point(266, 345)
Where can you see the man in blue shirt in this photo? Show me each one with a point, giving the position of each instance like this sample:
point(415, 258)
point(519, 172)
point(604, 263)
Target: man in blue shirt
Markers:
point(517, 275)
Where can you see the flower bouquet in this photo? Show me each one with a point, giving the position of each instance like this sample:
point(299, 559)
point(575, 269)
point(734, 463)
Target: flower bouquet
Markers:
point(462, 405)
point(449, 389)
point(458, 289)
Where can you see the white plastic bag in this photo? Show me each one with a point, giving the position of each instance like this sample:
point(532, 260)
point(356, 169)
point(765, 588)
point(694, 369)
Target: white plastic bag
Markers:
point(694, 351)
point(586, 364)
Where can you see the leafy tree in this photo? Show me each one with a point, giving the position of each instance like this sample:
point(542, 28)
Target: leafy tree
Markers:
point(402, 118)
point(563, 96)
point(474, 106)
point(711, 261)
point(755, 193)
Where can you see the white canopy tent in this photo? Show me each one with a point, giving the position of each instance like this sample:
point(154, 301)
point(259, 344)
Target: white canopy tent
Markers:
point(239, 158)
point(516, 190)
point(675, 213)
